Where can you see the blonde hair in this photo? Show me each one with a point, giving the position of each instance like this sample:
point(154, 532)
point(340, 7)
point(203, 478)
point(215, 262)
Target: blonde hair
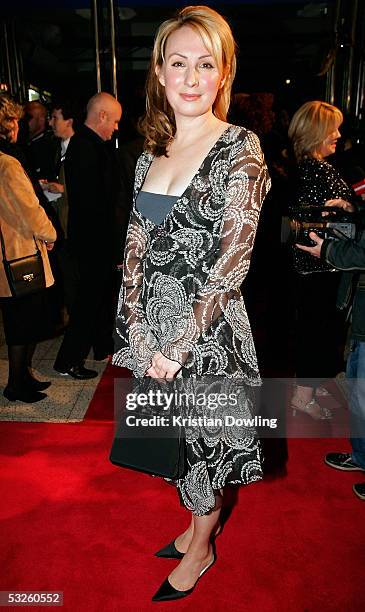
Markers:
point(158, 125)
point(310, 126)
point(9, 111)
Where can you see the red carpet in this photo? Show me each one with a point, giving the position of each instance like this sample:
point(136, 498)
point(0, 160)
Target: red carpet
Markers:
point(72, 522)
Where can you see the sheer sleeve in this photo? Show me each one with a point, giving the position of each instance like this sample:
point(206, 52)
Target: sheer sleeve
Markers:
point(134, 337)
point(247, 185)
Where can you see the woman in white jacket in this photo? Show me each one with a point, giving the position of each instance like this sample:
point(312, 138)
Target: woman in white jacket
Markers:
point(23, 221)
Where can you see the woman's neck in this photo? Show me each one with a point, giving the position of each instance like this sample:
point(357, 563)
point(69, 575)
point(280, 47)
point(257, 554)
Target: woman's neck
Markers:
point(317, 155)
point(192, 129)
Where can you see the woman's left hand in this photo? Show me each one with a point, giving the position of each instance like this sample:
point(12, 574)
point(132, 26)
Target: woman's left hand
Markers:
point(314, 250)
point(162, 367)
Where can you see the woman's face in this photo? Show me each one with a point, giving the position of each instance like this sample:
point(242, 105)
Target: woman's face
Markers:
point(189, 74)
point(13, 134)
point(328, 146)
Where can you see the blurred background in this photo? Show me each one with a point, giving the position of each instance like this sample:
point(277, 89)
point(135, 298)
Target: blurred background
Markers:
point(293, 50)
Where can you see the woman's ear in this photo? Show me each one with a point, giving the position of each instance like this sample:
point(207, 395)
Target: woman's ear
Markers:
point(159, 74)
point(224, 77)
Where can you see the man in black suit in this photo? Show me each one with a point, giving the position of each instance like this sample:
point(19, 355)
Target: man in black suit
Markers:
point(91, 183)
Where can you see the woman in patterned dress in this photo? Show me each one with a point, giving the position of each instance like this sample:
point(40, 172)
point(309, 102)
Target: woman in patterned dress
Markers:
point(198, 190)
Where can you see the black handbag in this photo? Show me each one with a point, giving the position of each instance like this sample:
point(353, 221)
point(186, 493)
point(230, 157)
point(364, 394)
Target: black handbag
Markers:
point(25, 275)
point(156, 456)
point(159, 450)
point(338, 225)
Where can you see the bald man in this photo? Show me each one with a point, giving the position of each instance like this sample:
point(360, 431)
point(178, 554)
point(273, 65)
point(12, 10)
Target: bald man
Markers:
point(92, 184)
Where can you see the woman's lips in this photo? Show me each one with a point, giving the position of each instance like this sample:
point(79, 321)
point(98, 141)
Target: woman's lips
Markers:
point(190, 97)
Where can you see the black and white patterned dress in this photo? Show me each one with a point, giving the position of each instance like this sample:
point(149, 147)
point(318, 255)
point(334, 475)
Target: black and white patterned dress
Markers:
point(181, 296)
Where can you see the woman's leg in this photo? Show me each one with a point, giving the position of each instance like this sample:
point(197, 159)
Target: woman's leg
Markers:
point(182, 541)
point(21, 385)
point(18, 366)
point(30, 353)
point(200, 551)
point(31, 381)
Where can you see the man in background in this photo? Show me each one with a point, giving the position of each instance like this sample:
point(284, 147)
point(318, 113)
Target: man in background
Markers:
point(41, 146)
point(92, 185)
point(349, 256)
point(62, 122)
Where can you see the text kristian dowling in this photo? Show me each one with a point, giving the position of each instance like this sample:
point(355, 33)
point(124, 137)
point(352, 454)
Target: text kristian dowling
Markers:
point(190, 421)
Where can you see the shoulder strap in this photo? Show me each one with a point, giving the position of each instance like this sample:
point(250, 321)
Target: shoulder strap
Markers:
point(3, 245)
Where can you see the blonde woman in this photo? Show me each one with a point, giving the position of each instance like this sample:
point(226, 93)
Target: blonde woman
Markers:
point(22, 221)
point(314, 132)
point(199, 187)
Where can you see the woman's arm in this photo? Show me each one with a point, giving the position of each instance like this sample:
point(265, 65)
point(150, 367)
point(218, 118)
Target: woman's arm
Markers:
point(138, 344)
point(248, 184)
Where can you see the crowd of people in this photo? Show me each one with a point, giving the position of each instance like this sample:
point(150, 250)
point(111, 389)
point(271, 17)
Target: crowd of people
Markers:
point(72, 180)
point(192, 215)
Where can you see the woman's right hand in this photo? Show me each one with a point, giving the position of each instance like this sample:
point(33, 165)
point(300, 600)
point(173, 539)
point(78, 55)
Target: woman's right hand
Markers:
point(163, 368)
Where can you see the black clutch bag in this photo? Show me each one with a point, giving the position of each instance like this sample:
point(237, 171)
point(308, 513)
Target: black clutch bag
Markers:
point(337, 225)
point(25, 275)
point(149, 439)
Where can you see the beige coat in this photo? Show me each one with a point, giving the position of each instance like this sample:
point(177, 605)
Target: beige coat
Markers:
point(21, 217)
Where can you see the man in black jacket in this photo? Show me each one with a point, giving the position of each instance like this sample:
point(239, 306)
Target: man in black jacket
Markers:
point(349, 256)
point(91, 183)
point(42, 146)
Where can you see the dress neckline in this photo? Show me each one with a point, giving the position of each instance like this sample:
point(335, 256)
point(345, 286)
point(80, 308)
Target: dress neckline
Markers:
point(160, 195)
point(151, 157)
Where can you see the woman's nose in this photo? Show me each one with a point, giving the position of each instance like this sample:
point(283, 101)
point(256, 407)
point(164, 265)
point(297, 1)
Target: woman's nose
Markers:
point(191, 78)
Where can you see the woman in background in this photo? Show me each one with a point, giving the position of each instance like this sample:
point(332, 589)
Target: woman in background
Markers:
point(22, 220)
point(314, 132)
point(198, 191)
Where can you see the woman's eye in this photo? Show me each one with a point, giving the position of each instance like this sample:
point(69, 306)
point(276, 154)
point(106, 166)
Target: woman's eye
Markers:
point(178, 64)
point(206, 65)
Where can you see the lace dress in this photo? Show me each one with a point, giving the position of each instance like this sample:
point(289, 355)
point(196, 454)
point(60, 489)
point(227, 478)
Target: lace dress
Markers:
point(181, 296)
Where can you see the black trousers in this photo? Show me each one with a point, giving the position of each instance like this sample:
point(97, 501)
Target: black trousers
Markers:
point(320, 327)
point(91, 315)
point(67, 274)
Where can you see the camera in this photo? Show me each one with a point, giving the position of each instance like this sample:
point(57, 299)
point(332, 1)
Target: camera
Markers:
point(336, 225)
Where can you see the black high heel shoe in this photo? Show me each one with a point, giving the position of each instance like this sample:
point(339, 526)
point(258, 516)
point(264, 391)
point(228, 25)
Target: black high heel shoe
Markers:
point(29, 396)
point(167, 592)
point(38, 385)
point(170, 551)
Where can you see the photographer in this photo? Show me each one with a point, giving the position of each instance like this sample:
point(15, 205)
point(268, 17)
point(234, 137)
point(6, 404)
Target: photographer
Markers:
point(349, 256)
